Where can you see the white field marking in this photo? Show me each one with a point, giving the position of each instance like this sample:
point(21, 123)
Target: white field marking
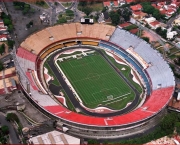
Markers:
point(87, 78)
point(85, 63)
point(95, 75)
point(80, 53)
point(104, 89)
point(134, 78)
point(118, 97)
point(96, 108)
point(116, 101)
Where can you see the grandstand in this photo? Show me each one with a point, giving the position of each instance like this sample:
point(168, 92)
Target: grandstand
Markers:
point(157, 78)
point(155, 60)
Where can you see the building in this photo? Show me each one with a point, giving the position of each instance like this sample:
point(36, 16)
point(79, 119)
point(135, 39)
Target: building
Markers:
point(110, 4)
point(3, 37)
point(54, 137)
point(170, 35)
point(177, 21)
point(150, 20)
point(136, 8)
point(155, 24)
point(139, 15)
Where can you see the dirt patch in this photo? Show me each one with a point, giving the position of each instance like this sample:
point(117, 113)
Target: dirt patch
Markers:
point(147, 34)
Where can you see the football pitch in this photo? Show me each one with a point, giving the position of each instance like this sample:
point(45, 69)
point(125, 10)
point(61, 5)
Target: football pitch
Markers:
point(96, 82)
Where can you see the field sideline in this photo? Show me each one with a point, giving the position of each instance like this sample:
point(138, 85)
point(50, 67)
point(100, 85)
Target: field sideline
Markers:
point(96, 82)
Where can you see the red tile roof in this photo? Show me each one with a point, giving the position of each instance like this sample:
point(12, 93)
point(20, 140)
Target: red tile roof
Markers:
point(129, 1)
point(170, 11)
point(115, 3)
point(137, 13)
point(134, 31)
point(155, 23)
point(136, 7)
point(163, 12)
point(106, 3)
point(161, 3)
point(124, 24)
point(3, 36)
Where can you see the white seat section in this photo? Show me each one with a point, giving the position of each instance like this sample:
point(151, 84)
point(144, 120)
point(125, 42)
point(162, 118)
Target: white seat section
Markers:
point(124, 38)
point(160, 73)
point(40, 98)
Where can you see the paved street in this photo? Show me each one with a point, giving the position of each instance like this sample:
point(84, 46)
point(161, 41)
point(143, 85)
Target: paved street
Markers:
point(13, 134)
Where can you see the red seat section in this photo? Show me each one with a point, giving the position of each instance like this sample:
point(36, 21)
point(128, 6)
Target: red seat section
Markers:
point(23, 53)
point(31, 81)
point(155, 103)
point(158, 99)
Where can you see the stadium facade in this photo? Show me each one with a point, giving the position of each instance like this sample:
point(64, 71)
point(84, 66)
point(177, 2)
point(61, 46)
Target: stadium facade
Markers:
point(153, 71)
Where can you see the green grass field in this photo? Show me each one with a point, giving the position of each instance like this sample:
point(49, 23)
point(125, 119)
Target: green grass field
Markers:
point(96, 82)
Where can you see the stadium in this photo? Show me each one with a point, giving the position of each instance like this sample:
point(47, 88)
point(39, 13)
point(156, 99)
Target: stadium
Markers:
point(97, 81)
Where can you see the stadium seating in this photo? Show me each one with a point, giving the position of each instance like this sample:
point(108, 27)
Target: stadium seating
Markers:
point(42, 39)
point(157, 65)
point(23, 53)
point(36, 80)
point(59, 46)
point(141, 113)
point(31, 81)
point(124, 39)
point(90, 43)
point(44, 42)
point(70, 44)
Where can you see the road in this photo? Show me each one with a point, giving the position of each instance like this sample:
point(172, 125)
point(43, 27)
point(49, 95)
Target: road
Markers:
point(171, 20)
point(13, 134)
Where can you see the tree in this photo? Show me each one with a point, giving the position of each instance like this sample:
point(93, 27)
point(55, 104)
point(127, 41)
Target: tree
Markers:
point(126, 13)
point(104, 9)
point(10, 28)
point(5, 129)
point(10, 43)
point(56, 3)
point(2, 49)
point(1, 66)
point(156, 14)
point(146, 39)
point(82, 3)
point(87, 10)
point(62, 20)
point(114, 17)
point(7, 21)
point(177, 125)
point(158, 30)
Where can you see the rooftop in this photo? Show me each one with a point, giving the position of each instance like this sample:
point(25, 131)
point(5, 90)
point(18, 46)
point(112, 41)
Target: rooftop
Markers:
point(55, 137)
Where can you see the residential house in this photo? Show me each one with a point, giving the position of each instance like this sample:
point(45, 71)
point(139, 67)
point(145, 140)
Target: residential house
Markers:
point(155, 24)
point(139, 15)
point(110, 4)
point(136, 8)
point(121, 2)
point(150, 20)
point(3, 37)
point(129, 1)
point(177, 22)
point(170, 35)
